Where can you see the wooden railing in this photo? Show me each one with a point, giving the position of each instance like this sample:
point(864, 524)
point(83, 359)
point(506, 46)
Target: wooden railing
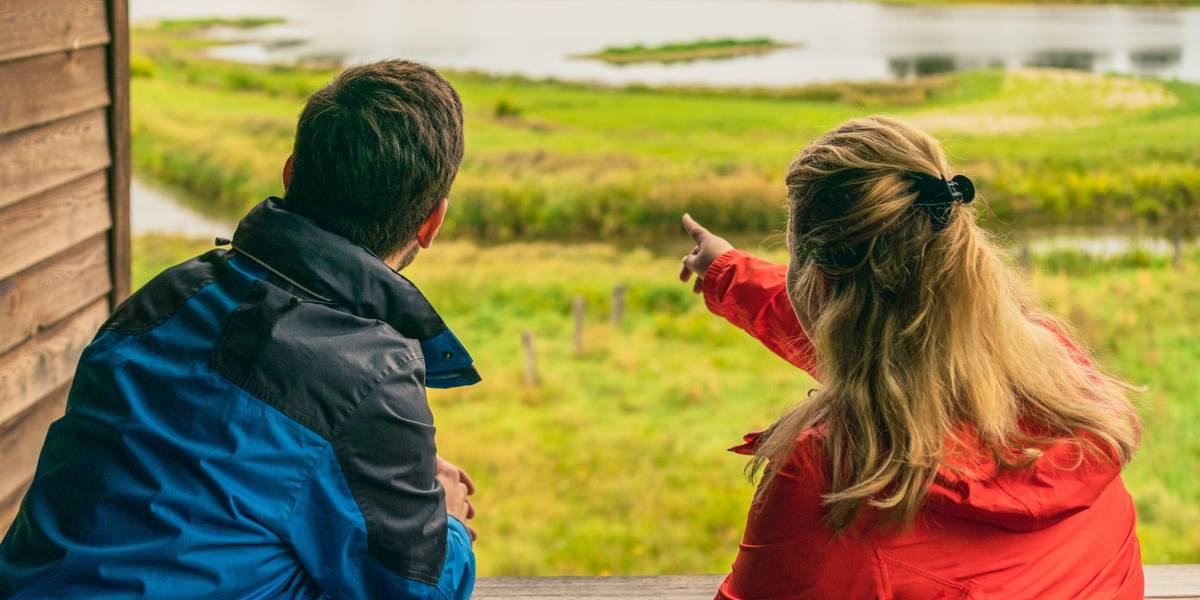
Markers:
point(1162, 581)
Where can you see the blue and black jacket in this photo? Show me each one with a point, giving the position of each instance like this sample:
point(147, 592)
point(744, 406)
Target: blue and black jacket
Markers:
point(251, 424)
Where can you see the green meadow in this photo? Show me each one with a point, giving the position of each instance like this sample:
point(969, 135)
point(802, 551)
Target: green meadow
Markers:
point(615, 462)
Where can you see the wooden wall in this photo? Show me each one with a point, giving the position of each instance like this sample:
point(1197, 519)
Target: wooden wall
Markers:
point(64, 209)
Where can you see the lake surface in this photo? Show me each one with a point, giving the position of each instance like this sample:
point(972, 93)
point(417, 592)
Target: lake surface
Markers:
point(836, 40)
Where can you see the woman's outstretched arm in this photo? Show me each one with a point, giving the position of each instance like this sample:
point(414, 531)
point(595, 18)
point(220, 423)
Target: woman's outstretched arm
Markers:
point(749, 292)
point(752, 294)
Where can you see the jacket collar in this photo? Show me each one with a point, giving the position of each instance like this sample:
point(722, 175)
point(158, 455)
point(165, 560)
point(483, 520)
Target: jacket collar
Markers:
point(336, 270)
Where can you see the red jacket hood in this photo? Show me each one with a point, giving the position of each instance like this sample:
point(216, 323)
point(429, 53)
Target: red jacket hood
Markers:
point(1059, 484)
point(971, 485)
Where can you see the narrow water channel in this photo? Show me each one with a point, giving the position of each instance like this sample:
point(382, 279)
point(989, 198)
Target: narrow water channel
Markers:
point(154, 210)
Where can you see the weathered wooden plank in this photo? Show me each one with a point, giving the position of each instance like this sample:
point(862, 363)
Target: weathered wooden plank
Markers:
point(1173, 581)
point(39, 158)
point(664, 587)
point(45, 363)
point(1162, 581)
point(119, 172)
point(32, 27)
point(21, 442)
point(44, 294)
point(52, 86)
point(49, 223)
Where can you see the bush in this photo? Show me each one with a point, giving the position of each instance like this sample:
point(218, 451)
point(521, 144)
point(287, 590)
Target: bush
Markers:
point(141, 66)
point(506, 109)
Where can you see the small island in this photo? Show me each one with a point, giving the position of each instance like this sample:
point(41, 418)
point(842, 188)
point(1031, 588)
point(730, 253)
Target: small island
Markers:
point(672, 52)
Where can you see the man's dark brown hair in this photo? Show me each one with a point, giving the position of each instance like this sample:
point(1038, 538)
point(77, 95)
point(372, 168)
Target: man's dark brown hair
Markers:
point(375, 151)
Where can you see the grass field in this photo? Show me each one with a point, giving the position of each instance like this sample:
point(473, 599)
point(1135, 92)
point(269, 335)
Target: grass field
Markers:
point(616, 463)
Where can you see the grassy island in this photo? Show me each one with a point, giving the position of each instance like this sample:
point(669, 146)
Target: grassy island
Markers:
point(672, 52)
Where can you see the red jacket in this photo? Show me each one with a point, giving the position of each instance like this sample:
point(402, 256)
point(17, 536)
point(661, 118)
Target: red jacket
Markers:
point(1044, 532)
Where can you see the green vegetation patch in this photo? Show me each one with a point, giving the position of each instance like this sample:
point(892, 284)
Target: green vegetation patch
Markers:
point(671, 52)
point(620, 451)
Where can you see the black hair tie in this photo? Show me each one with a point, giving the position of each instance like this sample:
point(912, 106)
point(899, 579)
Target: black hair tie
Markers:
point(962, 188)
point(937, 196)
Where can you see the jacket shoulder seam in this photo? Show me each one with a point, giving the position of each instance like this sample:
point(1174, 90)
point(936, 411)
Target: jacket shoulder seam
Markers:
point(300, 417)
point(339, 447)
point(362, 509)
point(304, 418)
point(117, 327)
point(115, 324)
point(379, 379)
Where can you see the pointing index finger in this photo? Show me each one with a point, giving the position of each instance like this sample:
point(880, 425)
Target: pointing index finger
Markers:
point(696, 230)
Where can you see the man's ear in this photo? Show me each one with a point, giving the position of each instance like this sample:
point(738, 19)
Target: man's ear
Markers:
point(433, 223)
point(287, 173)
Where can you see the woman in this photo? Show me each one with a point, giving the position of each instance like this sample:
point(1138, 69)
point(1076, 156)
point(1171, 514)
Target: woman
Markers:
point(960, 444)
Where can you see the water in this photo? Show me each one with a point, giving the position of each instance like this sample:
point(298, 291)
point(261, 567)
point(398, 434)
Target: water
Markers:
point(1100, 245)
point(155, 210)
point(837, 40)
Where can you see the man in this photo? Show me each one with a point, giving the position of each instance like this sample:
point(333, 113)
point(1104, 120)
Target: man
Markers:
point(253, 422)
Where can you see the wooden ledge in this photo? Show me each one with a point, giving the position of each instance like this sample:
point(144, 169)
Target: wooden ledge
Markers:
point(1162, 581)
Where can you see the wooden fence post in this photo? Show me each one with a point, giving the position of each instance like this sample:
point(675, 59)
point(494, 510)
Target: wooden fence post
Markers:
point(618, 304)
point(531, 372)
point(579, 309)
point(1176, 250)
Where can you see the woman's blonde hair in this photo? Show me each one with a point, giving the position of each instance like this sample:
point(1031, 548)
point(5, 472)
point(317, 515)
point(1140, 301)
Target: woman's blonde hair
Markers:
point(923, 334)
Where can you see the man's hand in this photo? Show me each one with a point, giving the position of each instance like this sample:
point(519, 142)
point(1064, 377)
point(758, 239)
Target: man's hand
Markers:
point(458, 487)
point(708, 248)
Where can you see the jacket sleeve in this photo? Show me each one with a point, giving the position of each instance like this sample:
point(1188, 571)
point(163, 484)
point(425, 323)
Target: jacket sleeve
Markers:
point(752, 294)
point(370, 519)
